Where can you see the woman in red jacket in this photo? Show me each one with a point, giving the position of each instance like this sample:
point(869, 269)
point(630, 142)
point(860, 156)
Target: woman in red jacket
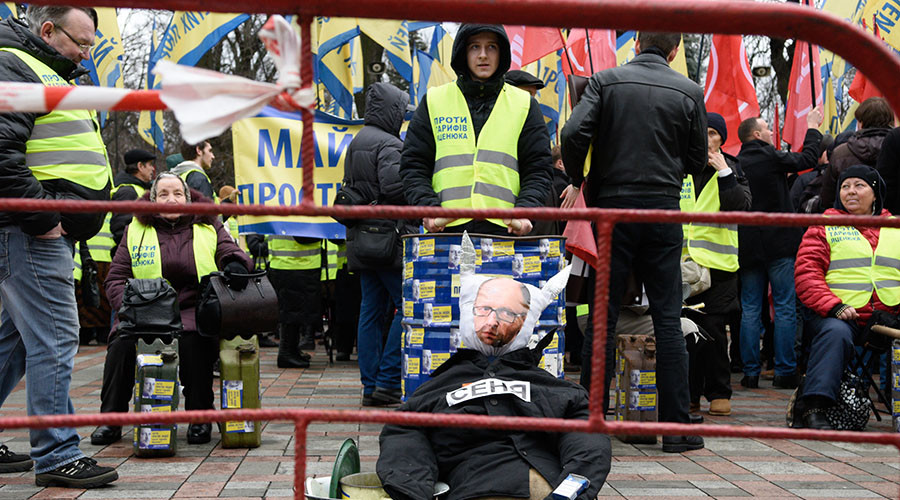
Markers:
point(838, 292)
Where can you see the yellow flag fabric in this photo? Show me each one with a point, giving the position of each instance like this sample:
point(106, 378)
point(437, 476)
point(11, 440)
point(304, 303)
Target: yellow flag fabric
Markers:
point(886, 14)
point(427, 73)
point(679, 64)
point(394, 37)
point(107, 53)
point(188, 36)
point(625, 47)
point(8, 9)
point(552, 97)
point(268, 169)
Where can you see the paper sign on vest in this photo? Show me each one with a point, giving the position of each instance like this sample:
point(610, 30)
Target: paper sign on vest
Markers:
point(490, 387)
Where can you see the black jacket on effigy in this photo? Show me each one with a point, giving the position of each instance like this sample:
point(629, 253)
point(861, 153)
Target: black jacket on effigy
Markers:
point(125, 193)
point(491, 462)
point(533, 151)
point(16, 179)
point(372, 166)
point(734, 195)
point(766, 169)
point(647, 124)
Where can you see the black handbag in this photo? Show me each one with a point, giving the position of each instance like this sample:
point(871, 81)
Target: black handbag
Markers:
point(223, 312)
point(348, 195)
point(374, 244)
point(149, 306)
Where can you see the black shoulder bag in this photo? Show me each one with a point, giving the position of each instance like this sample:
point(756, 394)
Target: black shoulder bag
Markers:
point(223, 312)
point(149, 306)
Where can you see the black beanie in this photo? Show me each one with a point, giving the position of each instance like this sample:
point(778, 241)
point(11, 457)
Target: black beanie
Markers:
point(717, 123)
point(872, 178)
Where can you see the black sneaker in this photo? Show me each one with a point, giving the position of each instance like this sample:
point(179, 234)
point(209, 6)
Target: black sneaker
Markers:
point(681, 444)
point(387, 397)
point(82, 473)
point(13, 462)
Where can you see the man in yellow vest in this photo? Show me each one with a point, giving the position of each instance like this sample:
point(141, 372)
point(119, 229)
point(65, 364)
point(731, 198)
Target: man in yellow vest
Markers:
point(198, 159)
point(295, 271)
point(477, 142)
point(721, 186)
point(47, 156)
point(140, 170)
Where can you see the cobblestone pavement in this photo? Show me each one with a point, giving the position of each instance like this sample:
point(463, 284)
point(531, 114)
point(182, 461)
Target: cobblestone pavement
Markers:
point(727, 468)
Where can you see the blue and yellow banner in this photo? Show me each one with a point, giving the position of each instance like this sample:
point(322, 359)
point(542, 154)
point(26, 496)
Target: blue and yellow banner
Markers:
point(552, 97)
point(188, 36)
point(427, 73)
point(394, 37)
point(105, 64)
point(8, 9)
point(268, 169)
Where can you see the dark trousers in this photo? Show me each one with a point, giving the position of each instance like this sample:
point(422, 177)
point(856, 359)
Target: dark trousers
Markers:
point(710, 373)
point(830, 352)
point(654, 252)
point(196, 356)
point(299, 297)
point(346, 310)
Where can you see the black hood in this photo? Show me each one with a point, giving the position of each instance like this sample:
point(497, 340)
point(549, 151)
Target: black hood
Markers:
point(458, 61)
point(15, 34)
point(386, 107)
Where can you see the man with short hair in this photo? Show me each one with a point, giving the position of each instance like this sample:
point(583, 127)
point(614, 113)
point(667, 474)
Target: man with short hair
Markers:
point(477, 142)
point(766, 253)
point(489, 376)
point(55, 155)
point(140, 170)
point(647, 126)
point(874, 119)
point(198, 159)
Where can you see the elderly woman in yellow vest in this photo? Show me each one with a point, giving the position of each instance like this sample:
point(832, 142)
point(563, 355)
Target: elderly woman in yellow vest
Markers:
point(842, 275)
point(189, 247)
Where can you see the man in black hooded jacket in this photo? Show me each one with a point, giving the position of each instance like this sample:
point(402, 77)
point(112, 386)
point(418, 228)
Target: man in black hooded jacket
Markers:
point(481, 56)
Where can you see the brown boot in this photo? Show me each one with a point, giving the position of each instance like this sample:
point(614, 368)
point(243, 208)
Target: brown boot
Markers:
point(720, 407)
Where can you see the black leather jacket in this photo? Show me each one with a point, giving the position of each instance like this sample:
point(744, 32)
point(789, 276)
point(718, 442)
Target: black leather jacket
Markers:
point(647, 124)
point(491, 462)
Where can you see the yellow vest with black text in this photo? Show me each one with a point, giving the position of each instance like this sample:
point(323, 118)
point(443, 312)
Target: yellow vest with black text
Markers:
point(482, 173)
point(286, 254)
point(855, 271)
point(711, 245)
point(64, 144)
point(143, 245)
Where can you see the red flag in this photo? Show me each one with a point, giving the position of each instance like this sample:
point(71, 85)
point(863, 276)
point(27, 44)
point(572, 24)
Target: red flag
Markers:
point(528, 44)
point(580, 239)
point(729, 86)
point(799, 102)
point(861, 88)
point(602, 52)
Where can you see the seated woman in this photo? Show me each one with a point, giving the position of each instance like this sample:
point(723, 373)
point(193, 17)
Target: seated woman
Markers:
point(840, 284)
point(182, 267)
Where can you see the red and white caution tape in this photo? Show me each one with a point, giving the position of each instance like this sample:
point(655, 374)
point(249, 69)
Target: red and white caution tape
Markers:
point(36, 98)
point(205, 102)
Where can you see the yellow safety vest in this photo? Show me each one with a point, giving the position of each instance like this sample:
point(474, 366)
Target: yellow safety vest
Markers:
point(64, 144)
point(143, 244)
point(286, 254)
point(330, 269)
point(711, 245)
point(184, 176)
point(102, 243)
point(855, 271)
point(482, 173)
point(137, 189)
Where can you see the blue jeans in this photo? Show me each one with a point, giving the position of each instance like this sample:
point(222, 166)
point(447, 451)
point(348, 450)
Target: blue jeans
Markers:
point(39, 336)
point(830, 352)
point(780, 274)
point(379, 364)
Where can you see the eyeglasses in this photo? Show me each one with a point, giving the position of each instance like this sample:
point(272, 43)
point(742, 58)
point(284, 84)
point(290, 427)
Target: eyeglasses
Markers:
point(83, 46)
point(503, 314)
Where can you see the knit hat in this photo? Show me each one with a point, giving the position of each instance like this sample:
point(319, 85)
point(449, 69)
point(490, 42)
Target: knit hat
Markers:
point(172, 161)
point(871, 177)
point(717, 123)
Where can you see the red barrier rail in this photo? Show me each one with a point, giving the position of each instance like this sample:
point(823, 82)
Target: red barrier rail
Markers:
point(864, 51)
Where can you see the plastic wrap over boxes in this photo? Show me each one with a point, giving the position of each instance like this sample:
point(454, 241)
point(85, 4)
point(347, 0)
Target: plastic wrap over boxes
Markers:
point(636, 395)
point(156, 390)
point(895, 384)
point(431, 289)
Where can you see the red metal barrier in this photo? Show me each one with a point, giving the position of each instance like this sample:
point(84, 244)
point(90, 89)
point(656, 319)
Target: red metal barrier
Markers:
point(781, 20)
